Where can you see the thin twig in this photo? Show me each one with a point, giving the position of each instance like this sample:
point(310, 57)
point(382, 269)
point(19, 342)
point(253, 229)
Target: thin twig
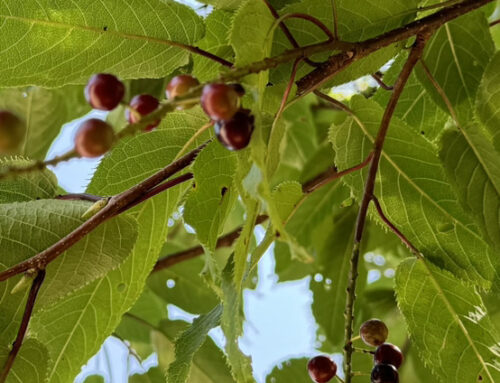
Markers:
point(378, 78)
point(413, 58)
point(115, 205)
point(288, 89)
point(340, 61)
point(493, 23)
point(336, 103)
point(312, 19)
point(225, 241)
point(30, 304)
point(37, 165)
point(335, 20)
point(131, 351)
point(394, 229)
point(331, 175)
point(79, 197)
point(441, 92)
point(363, 350)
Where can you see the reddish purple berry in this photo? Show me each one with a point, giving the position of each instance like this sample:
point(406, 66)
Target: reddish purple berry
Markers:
point(235, 134)
point(104, 91)
point(321, 369)
point(220, 101)
point(143, 104)
point(384, 373)
point(388, 354)
point(180, 85)
point(373, 332)
point(94, 138)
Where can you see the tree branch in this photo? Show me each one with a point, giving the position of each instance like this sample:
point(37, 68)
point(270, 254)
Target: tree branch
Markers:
point(30, 304)
point(413, 58)
point(228, 239)
point(115, 205)
point(394, 229)
point(340, 61)
point(493, 23)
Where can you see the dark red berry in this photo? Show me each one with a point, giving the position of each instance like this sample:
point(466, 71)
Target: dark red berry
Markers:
point(220, 101)
point(12, 131)
point(236, 133)
point(321, 369)
point(239, 89)
point(143, 104)
point(94, 138)
point(180, 85)
point(388, 354)
point(384, 373)
point(104, 91)
point(373, 332)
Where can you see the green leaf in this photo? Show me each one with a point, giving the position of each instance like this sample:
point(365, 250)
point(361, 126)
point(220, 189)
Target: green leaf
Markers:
point(216, 41)
point(154, 375)
point(94, 379)
point(27, 186)
point(354, 24)
point(251, 37)
point(182, 286)
point(43, 112)
point(74, 329)
point(53, 44)
point(456, 56)
point(189, 342)
point(415, 106)
point(414, 193)
point(488, 99)
point(286, 196)
point(47, 221)
point(213, 196)
point(448, 323)
point(232, 325)
point(30, 364)
point(473, 165)
point(293, 370)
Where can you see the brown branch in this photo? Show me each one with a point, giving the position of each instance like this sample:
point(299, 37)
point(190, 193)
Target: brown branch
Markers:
point(79, 197)
point(493, 23)
point(340, 61)
point(30, 304)
point(394, 229)
point(336, 103)
point(413, 58)
point(208, 55)
point(331, 175)
point(225, 241)
point(228, 239)
point(378, 78)
point(115, 205)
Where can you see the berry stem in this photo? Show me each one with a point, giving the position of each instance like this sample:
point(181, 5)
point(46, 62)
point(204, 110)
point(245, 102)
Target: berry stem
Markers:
point(412, 60)
point(378, 78)
point(363, 350)
point(30, 304)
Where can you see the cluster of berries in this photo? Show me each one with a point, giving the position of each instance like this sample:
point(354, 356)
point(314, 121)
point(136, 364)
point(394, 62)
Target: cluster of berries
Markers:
point(221, 102)
point(387, 357)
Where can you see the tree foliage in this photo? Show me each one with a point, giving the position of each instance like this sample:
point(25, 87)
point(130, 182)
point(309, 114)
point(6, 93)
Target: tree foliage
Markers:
point(402, 179)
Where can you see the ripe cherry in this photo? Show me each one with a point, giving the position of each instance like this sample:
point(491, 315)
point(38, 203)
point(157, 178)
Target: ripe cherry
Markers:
point(235, 134)
point(220, 101)
point(384, 373)
point(321, 369)
point(143, 104)
point(104, 91)
point(94, 138)
point(373, 332)
point(180, 85)
point(388, 354)
point(12, 131)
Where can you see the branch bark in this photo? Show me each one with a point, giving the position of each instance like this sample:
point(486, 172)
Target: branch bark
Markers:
point(414, 57)
point(30, 304)
point(340, 61)
point(115, 205)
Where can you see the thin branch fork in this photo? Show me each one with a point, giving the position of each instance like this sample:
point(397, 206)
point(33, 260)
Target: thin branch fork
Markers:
point(340, 61)
point(414, 57)
point(30, 304)
point(115, 205)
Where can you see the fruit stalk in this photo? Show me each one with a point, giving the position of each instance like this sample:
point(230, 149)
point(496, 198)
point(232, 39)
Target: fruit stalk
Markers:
point(413, 58)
